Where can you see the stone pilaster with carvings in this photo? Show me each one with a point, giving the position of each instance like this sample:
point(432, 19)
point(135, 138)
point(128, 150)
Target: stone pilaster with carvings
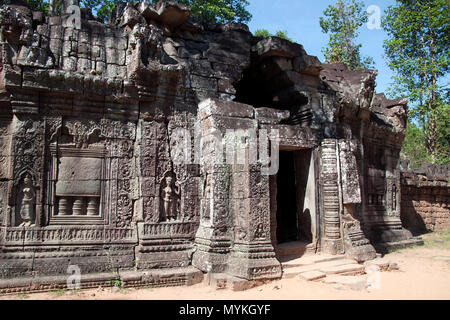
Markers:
point(332, 241)
point(357, 246)
point(252, 255)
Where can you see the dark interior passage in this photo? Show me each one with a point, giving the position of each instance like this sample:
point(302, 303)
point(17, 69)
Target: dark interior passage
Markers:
point(287, 229)
point(302, 165)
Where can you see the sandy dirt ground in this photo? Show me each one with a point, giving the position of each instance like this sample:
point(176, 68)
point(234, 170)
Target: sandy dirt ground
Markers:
point(423, 274)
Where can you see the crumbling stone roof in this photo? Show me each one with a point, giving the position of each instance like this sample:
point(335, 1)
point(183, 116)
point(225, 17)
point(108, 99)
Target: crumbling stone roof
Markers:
point(161, 56)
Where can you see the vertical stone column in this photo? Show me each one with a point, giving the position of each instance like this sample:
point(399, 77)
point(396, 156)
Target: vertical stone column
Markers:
point(28, 139)
point(252, 255)
point(357, 246)
point(213, 238)
point(234, 231)
point(332, 240)
point(390, 229)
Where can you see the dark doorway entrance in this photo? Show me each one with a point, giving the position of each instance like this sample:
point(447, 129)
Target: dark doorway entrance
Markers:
point(287, 229)
point(296, 209)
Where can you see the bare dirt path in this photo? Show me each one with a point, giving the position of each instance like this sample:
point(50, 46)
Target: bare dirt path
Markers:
point(424, 273)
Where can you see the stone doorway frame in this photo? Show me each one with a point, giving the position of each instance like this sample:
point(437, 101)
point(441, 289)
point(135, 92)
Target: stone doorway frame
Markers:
point(230, 238)
point(315, 170)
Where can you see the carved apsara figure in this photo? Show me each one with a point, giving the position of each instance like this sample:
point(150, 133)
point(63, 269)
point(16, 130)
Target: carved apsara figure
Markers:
point(169, 196)
point(28, 201)
point(259, 233)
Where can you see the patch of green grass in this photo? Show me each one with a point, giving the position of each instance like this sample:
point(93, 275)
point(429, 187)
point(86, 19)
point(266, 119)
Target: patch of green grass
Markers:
point(58, 292)
point(437, 239)
point(115, 283)
point(124, 290)
point(77, 292)
point(22, 296)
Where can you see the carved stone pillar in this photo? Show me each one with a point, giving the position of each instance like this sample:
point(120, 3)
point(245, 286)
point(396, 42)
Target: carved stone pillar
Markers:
point(234, 233)
point(213, 238)
point(357, 246)
point(252, 255)
point(332, 240)
point(390, 229)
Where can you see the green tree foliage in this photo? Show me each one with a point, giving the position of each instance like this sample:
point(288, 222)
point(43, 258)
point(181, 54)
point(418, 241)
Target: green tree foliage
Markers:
point(38, 5)
point(262, 33)
point(214, 11)
point(104, 8)
point(219, 11)
point(342, 22)
point(443, 134)
point(91, 4)
point(265, 33)
point(413, 147)
point(417, 50)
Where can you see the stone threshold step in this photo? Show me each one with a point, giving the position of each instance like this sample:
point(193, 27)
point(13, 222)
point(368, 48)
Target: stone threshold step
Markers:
point(311, 259)
point(220, 281)
point(357, 283)
point(347, 269)
point(312, 275)
point(294, 271)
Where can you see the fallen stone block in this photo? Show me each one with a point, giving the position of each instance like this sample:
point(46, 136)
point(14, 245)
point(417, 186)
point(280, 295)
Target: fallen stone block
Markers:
point(356, 283)
point(312, 275)
point(347, 269)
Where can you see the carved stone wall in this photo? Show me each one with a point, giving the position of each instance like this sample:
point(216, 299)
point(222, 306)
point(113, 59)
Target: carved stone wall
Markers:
point(113, 144)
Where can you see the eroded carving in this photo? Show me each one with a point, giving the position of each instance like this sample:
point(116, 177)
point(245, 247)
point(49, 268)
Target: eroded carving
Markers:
point(170, 197)
point(27, 201)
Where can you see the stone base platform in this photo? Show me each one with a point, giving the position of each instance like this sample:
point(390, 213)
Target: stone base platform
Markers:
point(314, 267)
point(220, 281)
point(126, 279)
point(389, 246)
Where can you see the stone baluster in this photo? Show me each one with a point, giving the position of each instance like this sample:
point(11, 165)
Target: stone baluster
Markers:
point(79, 206)
point(92, 207)
point(64, 207)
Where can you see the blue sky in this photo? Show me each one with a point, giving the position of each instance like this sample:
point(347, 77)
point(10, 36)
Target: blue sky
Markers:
point(300, 18)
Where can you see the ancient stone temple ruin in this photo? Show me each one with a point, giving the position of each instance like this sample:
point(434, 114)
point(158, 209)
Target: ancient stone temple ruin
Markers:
point(156, 142)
